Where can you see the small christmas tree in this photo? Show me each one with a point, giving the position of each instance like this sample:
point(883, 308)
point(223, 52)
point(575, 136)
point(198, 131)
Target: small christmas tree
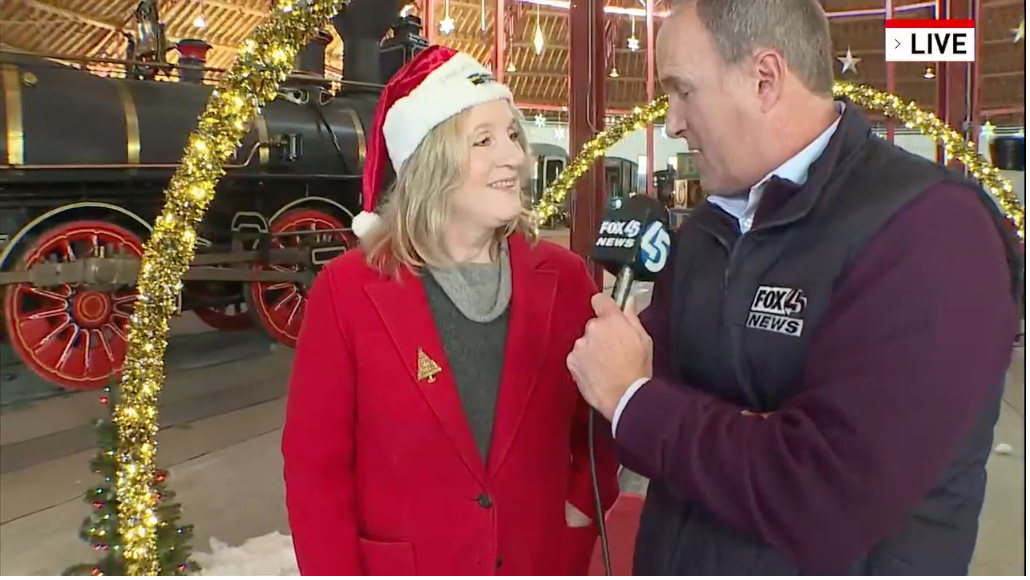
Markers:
point(427, 367)
point(100, 529)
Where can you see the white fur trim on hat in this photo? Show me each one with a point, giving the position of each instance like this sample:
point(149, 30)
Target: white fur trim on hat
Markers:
point(364, 223)
point(454, 86)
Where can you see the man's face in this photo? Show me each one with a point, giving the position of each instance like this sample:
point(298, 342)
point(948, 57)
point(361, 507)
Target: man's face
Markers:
point(712, 105)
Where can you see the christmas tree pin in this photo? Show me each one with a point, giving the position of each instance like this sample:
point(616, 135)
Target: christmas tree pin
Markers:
point(427, 367)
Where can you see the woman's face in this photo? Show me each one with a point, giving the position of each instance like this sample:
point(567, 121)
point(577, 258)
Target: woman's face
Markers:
point(491, 194)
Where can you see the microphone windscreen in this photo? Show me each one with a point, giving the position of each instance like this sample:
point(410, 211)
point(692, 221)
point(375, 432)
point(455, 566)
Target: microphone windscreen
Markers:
point(634, 233)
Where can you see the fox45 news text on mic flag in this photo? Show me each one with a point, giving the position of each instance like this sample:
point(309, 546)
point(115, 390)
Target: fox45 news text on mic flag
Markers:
point(930, 40)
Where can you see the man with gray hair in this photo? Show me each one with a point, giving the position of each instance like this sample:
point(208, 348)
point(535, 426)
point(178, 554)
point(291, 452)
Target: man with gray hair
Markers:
point(814, 386)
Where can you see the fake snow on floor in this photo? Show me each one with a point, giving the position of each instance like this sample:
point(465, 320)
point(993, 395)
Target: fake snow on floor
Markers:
point(270, 555)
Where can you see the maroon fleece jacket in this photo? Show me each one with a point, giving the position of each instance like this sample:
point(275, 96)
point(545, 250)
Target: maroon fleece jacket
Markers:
point(916, 335)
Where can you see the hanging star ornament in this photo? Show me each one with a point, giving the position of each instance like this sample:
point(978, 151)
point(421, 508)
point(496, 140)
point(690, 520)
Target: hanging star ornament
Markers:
point(849, 62)
point(987, 131)
point(540, 121)
point(1019, 32)
point(447, 25)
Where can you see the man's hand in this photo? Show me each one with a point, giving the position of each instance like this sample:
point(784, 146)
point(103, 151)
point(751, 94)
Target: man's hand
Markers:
point(614, 352)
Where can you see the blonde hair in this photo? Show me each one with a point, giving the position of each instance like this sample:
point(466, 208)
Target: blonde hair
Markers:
point(411, 232)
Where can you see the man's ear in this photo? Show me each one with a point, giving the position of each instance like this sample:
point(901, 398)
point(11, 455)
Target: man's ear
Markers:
point(770, 70)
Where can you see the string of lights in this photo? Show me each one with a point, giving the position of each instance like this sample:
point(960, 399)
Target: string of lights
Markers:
point(262, 64)
point(909, 113)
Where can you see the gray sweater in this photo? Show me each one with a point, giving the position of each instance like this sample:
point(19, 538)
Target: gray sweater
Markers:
point(470, 307)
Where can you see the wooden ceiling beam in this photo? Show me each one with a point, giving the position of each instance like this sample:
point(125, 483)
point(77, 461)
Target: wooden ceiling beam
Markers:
point(235, 7)
point(70, 15)
point(95, 23)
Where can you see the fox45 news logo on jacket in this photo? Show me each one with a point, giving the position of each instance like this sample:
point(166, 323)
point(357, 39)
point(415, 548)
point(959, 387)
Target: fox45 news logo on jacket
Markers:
point(778, 309)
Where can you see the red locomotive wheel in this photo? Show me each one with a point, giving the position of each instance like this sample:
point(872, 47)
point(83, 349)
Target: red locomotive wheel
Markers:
point(227, 319)
point(279, 306)
point(72, 336)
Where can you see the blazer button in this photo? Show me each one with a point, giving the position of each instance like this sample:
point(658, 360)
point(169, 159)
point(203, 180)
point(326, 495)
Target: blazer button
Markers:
point(500, 562)
point(484, 501)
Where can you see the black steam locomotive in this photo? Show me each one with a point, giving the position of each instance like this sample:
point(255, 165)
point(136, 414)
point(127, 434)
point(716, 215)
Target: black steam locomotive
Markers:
point(84, 161)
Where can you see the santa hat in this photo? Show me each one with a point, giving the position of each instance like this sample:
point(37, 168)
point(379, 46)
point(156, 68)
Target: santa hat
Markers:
point(433, 87)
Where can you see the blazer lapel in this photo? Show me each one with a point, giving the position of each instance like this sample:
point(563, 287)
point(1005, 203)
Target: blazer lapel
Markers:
point(405, 312)
point(529, 322)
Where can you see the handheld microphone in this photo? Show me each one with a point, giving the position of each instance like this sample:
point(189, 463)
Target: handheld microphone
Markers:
point(633, 243)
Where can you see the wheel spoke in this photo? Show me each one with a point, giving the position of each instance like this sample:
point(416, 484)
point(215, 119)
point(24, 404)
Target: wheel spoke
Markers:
point(44, 314)
point(49, 338)
point(73, 338)
point(286, 298)
point(69, 251)
point(116, 328)
point(50, 294)
point(125, 299)
point(102, 340)
point(296, 314)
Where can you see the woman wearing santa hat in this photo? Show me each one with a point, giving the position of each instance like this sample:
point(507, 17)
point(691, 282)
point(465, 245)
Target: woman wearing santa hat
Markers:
point(432, 427)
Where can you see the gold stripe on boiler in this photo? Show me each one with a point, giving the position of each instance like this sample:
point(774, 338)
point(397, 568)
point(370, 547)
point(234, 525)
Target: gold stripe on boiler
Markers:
point(15, 134)
point(359, 130)
point(132, 146)
point(262, 134)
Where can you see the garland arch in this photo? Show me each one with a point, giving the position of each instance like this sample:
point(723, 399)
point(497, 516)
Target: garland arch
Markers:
point(955, 147)
point(262, 64)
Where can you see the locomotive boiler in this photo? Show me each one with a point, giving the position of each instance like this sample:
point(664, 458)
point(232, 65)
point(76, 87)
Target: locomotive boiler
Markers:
point(84, 161)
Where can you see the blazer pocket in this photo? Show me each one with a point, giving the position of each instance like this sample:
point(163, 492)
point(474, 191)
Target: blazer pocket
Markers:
point(387, 558)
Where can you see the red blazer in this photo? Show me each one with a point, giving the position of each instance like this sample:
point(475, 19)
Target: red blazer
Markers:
point(382, 474)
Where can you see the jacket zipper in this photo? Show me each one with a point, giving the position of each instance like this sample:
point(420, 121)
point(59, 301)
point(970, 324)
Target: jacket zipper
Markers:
point(731, 251)
point(729, 264)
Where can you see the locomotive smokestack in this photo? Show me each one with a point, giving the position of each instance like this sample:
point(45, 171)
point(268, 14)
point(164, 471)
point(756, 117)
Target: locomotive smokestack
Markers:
point(362, 25)
point(192, 58)
point(311, 59)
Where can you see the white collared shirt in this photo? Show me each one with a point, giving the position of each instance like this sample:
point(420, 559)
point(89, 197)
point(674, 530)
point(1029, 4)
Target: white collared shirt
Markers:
point(795, 169)
point(743, 209)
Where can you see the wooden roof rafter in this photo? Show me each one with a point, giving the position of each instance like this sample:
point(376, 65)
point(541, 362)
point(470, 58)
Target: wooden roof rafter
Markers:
point(95, 27)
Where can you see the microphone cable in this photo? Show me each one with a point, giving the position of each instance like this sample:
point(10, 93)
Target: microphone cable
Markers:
point(620, 293)
point(598, 505)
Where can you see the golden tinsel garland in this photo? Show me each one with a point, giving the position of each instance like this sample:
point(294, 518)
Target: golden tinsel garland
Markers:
point(263, 63)
point(955, 147)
